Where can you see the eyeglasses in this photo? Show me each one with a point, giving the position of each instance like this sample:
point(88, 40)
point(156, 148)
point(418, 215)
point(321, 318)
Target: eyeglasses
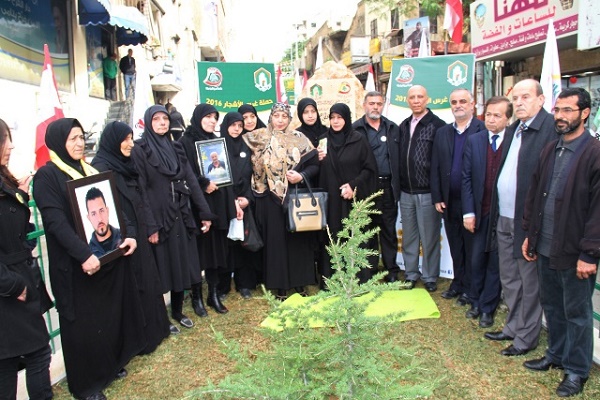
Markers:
point(565, 110)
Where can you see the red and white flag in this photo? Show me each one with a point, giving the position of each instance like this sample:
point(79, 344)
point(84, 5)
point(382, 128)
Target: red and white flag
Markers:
point(304, 79)
point(453, 20)
point(370, 85)
point(49, 109)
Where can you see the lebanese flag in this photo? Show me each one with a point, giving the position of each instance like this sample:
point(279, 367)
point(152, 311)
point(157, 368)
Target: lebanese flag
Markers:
point(49, 109)
point(304, 79)
point(370, 84)
point(453, 20)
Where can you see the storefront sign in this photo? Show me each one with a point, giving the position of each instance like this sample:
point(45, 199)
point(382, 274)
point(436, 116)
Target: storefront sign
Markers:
point(502, 26)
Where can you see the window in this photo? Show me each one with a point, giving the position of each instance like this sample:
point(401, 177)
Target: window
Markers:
point(395, 18)
point(374, 29)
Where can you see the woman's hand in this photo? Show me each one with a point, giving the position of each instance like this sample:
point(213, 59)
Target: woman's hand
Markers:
point(91, 265)
point(243, 202)
point(211, 187)
point(346, 192)
point(205, 226)
point(293, 177)
point(131, 243)
point(322, 154)
point(153, 238)
point(23, 296)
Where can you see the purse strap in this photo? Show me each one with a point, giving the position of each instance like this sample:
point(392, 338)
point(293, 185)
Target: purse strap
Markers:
point(313, 200)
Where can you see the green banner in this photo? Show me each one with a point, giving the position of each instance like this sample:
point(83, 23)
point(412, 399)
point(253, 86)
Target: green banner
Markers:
point(440, 75)
point(229, 85)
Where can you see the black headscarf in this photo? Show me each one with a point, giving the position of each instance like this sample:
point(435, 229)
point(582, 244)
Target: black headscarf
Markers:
point(249, 108)
point(56, 140)
point(338, 138)
point(195, 129)
point(160, 145)
point(234, 145)
point(109, 149)
point(315, 131)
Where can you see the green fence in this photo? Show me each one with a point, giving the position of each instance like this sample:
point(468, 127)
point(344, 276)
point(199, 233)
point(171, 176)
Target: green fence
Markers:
point(37, 235)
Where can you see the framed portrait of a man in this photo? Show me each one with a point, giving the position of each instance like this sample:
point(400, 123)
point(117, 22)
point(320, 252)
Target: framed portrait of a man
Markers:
point(213, 161)
point(95, 207)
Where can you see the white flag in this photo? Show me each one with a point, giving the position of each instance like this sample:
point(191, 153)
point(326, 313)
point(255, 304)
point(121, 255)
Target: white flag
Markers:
point(370, 85)
point(424, 45)
point(319, 61)
point(297, 86)
point(550, 78)
point(142, 100)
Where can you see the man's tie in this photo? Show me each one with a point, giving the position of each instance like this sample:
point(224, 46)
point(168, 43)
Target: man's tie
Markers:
point(522, 127)
point(494, 138)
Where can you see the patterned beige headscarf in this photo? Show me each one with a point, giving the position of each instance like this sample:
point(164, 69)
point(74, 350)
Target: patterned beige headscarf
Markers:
point(274, 153)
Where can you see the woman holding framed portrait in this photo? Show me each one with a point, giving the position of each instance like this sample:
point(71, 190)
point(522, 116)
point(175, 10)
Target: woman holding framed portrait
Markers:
point(213, 246)
point(114, 154)
point(168, 187)
point(101, 321)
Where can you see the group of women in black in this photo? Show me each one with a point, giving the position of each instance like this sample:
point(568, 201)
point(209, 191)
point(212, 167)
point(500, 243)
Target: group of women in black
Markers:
point(177, 224)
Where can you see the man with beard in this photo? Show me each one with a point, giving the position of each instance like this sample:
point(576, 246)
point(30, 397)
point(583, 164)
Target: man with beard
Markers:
point(525, 140)
point(382, 135)
point(561, 216)
point(105, 237)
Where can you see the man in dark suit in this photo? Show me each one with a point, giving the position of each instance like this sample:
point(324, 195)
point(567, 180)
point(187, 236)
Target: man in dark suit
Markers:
point(482, 155)
point(446, 182)
point(525, 140)
point(382, 135)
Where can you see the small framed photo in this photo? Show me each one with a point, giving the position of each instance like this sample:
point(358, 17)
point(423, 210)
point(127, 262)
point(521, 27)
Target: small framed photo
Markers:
point(213, 161)
point(96, 212)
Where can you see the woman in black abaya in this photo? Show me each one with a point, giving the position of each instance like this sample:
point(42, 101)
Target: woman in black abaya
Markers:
point(213, 245)
point(311, 126)
point(168, 187)
point(251, 119)
point(114, 154)
point(101, 319)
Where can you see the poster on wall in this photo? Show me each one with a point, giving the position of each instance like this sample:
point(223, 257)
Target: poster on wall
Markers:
point(229, 85)
point(416, 34)
point(25, 26)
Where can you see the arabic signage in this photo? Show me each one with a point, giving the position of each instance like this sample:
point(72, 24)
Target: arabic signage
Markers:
point(501, 26)
point(440, 75)
point(229, 85)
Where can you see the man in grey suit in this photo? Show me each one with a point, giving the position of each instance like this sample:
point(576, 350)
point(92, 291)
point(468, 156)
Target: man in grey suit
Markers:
point(525, 140)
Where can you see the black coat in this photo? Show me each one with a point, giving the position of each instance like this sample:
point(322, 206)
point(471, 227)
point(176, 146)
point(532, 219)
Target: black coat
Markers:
point(354, 164)
point(539, 133)
point(23, 326)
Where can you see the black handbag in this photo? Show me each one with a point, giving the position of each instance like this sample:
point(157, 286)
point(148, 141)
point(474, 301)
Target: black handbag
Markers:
point(252, 240)
point(306, 209)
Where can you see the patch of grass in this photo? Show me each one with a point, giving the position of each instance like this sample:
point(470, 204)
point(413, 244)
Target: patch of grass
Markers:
point(451, 349)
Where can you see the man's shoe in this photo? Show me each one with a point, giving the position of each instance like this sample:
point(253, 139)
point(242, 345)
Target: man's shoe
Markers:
point(486, 320)
point(570, 385)
point(391, 277)
point(463, 300)
point(431, 286)
point(513, 351)
point(96, 396)
point(541, 364)
point(497, 336)
point(450, 294)
point(473, 312)
point(245, 293)
point(174, 330)
point(122, 373)
point(411, 283)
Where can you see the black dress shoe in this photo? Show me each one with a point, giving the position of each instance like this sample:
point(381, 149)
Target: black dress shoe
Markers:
point(245, 293)
point(411, 283)
point(570, 385)
point(174, 330)
point(463, 300)
point(541, 364)
point(497, 336)
point(391, 277)
point(450, 294)
point(122, 373)
point(486, 320)
point(513, 351)
point(96, 396)
point(473, 312)
point(431, 286)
